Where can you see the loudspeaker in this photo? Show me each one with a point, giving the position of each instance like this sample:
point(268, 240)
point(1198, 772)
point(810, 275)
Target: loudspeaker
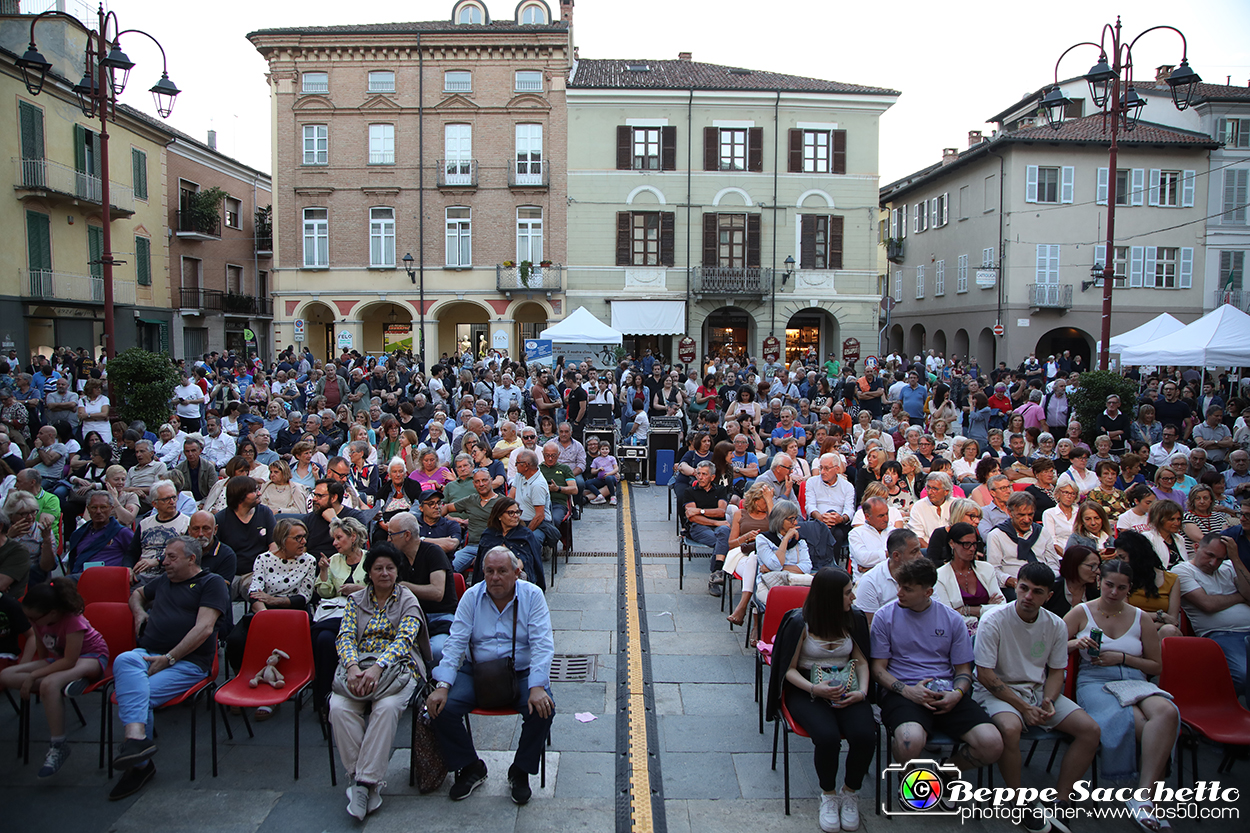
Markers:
point(633, 460)
point(663, 440)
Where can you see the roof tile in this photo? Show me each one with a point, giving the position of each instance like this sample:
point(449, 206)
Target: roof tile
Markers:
point(684, 75)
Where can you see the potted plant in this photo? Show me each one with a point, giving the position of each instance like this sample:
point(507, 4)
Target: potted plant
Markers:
point(894, 249)
point(508, 264)
point(204, 210)
point(544, 263)
point(264, 229)
point(524, 272)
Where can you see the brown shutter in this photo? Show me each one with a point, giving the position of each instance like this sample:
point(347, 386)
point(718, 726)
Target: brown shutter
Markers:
point(624, 226)
point(624, 147)
point(667, 237)
point(753, 240)
point(807, 241)
point(668, 148)
point(835, 242)
point(755, 149)
point(796, 151)
point(711, 148)
point(710, 257)
point(839, 152)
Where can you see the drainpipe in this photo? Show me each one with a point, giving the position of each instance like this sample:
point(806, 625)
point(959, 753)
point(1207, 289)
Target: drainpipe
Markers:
point(421, 192)
point(689, 196)
point(772, 322)
point(999, 266)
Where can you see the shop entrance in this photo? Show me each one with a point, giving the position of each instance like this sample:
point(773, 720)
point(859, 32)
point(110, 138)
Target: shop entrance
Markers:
point(728, 331)
point(802, 335)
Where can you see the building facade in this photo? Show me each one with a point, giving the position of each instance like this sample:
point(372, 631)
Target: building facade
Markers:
point(1008, 232)
point(443, 139)
point(690, 184)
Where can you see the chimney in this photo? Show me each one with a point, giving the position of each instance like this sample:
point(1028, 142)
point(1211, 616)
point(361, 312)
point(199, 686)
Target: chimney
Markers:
point(975, 137)
point(212, 139)
point(685, 56)
point(1163, 71)
point(949, 155)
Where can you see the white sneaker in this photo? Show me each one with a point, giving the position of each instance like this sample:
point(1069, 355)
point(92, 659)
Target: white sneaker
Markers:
point(375, 797)
point(358, 801)
point(850, 810)
point(598, 500)
point(829, 813)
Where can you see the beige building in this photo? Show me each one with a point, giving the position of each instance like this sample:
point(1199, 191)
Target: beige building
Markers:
point(444, 139)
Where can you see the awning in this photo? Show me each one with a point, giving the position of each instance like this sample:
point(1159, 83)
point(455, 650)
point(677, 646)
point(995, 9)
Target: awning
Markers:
point(649, 318)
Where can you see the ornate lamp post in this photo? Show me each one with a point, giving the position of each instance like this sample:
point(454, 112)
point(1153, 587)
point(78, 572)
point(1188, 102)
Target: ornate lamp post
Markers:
point(412, 276)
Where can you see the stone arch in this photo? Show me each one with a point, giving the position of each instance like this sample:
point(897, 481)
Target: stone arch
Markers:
point(319, 318)
point(896, 338)
point(379, 322)
point(1073, 339)
point(659, 195)
point(815, 192)
point(961, 346)
point(724, 192)
point(939, 343)
point(915, 340)
point(987, 350)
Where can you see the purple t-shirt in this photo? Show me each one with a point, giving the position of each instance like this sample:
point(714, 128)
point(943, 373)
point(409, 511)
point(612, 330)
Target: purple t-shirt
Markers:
point(53, 637)
point(920, 646)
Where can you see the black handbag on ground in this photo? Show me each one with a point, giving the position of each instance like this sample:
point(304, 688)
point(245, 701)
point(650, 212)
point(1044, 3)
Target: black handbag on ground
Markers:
point(494, 681)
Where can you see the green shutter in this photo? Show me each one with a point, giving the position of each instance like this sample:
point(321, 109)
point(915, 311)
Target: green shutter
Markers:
point(96, 158)
point(80, 149)
point(143, 261)
point(38, 241)
point(32, 130)
point(95, 250)
point(139, 163)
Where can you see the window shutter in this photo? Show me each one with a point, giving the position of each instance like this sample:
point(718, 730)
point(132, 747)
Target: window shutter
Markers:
point(95, 153)
point(1136, 257)
point(80, 149)
point(139, 164)
point(95, 250)
point(1100, 254)
point(711, 148)
point(933, 212)
point(1149, 274)
point(1156, 176)
point(32, 130)
point(1187, 189)
point(919, 282)
point(1067, 184)
point(624, 241)
point(835, 242)
point(709, 240)
point(795, 163)
point(143, 261)
point(987, 256)
point(838, 159)
point(939, 278)
point(38, 241)
point(1139, 187)
point(1103, 182)
point(894, 223)
point(915, 216)
point(668, 148)
point(1187, 268)
point(1030, 184)
point(946, 208)
point(624, 147)
point(902, 226)
point(1235, 190)
point(755, 149)
point(667, 237)
point(807, 241)
point(753, 240)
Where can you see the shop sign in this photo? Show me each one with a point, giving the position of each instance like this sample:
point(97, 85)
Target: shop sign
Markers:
point(850, 350)
point(772, 349)
point(686, 350)
point(345, 339)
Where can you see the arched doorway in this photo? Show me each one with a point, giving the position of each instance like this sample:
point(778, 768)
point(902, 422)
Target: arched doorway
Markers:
point(987, 350)
point(812, 328)
point(915, 340)
point(462, 326)
point(939, 343)
point(531, 319)
point(730, 329)
point(1076, 341)
point(319, 330)
point(960, 347)
point(896, 338)
point(386, 326)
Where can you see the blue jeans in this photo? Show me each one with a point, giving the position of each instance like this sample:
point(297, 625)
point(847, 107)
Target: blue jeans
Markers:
point(453, 736)
point(138, 692)
point(599, 482)
point(463, 557)
point(1235, 645)
point(705, 535)
point(438, 640)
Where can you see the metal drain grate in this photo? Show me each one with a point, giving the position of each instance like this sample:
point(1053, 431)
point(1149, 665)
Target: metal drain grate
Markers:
point(574, 668)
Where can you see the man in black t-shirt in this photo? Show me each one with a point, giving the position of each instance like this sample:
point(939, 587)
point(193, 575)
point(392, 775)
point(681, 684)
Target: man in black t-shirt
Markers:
point(426, 571)
point(176, 615)
point(13, 623)
point(1170, 409)
point(577, 402)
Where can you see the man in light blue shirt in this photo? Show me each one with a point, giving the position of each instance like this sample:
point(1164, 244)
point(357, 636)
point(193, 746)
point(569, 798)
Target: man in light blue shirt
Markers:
point(499, 617)
point(912, 396)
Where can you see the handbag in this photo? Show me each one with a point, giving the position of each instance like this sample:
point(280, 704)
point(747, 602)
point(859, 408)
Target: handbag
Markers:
point(395, 677)
point(426, 764)
point(494, 681)
point(831, 675)
point(330, 609)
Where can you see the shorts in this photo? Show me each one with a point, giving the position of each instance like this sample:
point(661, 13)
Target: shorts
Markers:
point(966, 715)
point(100, 658)
point(993, 706)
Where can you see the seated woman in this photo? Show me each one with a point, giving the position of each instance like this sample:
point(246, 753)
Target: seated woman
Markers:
point(338, 576)
point(896, 494)
point(1140, 498)
point(1058, 520)
point(305, 472)
point(504, 529)
point(1163, 529)
point(1202, 517)
point(1165, 486)
point(781, 555)
point(398, 493)
point(748, 523)
point(383, 620)
point(1078, 473)
point(897, 519)
point(430, 473)
point(1128, 650)
point(1107, 495)
point(986, 468)
point(964, 466)
point(964, 584)
point(1092, 528)
point(604, 471)
point(828, 634)
point(1153, 588)
point(281, 494)
point(1078, 579)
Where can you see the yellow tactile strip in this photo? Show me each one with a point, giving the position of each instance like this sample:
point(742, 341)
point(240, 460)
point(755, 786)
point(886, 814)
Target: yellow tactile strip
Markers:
point(640, 773)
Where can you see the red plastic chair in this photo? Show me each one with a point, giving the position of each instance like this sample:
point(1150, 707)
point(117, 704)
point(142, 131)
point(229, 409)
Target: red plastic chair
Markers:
point(781, 600)
point(285, 629)
point(1182, 622)
point(1195, 672)
point(800, 496)
point(104, 584)
point(542, 781)
point(116, 624)
point(789, 725)
point(461, 586)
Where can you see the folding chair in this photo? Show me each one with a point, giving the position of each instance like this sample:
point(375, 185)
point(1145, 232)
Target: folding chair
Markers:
point(785, 725)
point(104, 584)
point(1195, 672)
point(781, 600)
point(504, 713)
point(205, 686)
point(116, 624)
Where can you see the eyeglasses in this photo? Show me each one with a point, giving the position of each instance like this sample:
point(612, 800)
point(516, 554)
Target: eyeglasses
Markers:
point(299, 537)
point(971, 543)
point(512, 511)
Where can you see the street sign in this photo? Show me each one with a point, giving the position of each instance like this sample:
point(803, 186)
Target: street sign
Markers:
point(686, 350)
point(987, 277)
point(850, 350)
point(887, 303)
point(299, 329)
point(999, 329)
point(248, 335)
point(772, 349)
point(345, 339)
point(870, 364)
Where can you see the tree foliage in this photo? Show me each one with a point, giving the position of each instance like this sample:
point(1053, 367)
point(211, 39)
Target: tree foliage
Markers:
point(1090, 399)
point(141, 385)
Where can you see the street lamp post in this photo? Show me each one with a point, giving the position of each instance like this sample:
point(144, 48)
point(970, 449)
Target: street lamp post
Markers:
point(104, 78)
point(412, 276)
point(1105, 82)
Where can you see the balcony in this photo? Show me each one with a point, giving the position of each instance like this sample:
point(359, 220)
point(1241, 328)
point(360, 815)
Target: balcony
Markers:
point(540, 279)
point(236, 303)
point(194, 301)
point(264, 246)
point(528, 175)
point(191, 227)
point(724, 280)
point(894, 251)
point(457, 173)
point(1050, 296)
point(44, 285)
point(1235, 297)
point(52, 179)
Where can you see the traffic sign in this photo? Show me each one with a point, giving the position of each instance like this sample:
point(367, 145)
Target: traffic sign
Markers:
point(299, 329)
point(999, 329)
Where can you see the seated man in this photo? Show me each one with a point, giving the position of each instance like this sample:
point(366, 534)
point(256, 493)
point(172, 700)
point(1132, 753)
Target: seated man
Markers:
point(1018, 542)
point(102, 541)
point(1022, 656)
point(426, 571)
point(933, 511)
point(48, 456)
point(161, 526)
point(176, 651)
point(705, 512)
point(922, 660)
point(1215, 594)
point(561, 482)
point(480, 633)
point(478, 506)
point(433, 526)
point(533, 495)
point(868, 540)
point(879, 586)
point(829, 499)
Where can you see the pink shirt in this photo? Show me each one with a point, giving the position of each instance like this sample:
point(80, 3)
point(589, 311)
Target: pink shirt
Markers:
point(53, 637)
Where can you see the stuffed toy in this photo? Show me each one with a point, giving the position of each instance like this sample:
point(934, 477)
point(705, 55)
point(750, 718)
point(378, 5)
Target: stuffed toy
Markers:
point(270, 673)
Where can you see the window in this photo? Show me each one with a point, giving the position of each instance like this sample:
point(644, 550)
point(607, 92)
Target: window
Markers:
point(232, 212)
point(820, 242)
point(529, 81)
point(898, 285)
point(143, 261)
point(1047, 263)
point(457, 81)
point(316, 144)
point(533, 15)
point(459, 237)
point(470, 14)
point(316, 238)
point(1120, 266)
point(382, 237)
point(817, 151)
point(646, 148)
point(920, 216)
point(1171, 189)
point(139, 173)
point(382, 81)
point(961, 281)
point(1166, 259)
point(191, 273)
point(529, 234)
point(644, 238)
point(529, 154)
point(939, 278)
point(458, 150)
point(1234, 133)
point(965, 205)
point(898, 222)
point(1050, 185)
point(990, 194)
point(262, 284)
point(1123, 187)
point(316, 82)
point(1236, 185)
point(733, 150)
point(1047, 185)
point(234, 279)
point(731, 241)
point(1232, 270)
point(194, 341)
point(919, 282)
point(381, 144)
point(940, 210)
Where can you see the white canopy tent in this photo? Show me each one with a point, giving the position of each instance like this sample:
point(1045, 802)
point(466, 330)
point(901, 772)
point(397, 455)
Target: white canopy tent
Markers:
point(1218, 339)
point(1160, 326)
point(581, 327)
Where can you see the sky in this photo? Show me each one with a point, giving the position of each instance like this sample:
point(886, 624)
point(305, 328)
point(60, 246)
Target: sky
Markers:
point(953, 65)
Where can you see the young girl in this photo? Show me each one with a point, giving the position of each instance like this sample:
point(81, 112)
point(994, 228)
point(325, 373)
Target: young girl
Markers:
point(606, 471)
point(66, 648)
